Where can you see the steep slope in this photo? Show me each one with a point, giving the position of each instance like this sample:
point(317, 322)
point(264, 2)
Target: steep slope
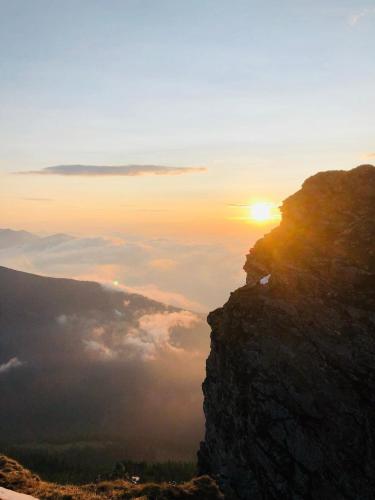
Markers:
point(40, 295)
point(79, 362)
point(289, 399)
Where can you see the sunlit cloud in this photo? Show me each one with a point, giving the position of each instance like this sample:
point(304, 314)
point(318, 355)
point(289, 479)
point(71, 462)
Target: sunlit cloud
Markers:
point(10, 365)
point(110, 171)
point(163, 264)
point(43, 200)
point(171, 271)
point(173, 298)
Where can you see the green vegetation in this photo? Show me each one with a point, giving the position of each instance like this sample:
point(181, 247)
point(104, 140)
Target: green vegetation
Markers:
point(158, 472)
point(15, 477)
point(87, 463)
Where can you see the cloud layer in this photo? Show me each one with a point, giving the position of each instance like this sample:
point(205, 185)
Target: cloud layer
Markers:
point(193, 276)
point(110, 171)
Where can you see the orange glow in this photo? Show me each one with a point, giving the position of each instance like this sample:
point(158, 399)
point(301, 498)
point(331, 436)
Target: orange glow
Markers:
point(263, 211)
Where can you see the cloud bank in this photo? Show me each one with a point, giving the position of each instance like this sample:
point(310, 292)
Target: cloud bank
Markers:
point(110, 171)
point(194, 276)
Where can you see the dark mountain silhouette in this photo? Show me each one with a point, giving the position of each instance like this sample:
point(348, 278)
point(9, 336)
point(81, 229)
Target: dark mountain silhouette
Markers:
point(46, 297)
point(289, 392)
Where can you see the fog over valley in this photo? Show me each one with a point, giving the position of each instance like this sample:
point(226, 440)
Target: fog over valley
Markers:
point(95, 364)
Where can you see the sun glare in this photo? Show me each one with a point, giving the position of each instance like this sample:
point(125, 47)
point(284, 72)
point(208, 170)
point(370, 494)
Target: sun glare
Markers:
point(263, 211)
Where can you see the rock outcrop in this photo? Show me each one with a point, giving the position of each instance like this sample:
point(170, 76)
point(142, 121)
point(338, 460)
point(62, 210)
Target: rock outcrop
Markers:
point(290, 387)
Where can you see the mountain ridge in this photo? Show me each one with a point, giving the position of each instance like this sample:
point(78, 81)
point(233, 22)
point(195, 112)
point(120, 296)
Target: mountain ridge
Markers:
point(80, 362)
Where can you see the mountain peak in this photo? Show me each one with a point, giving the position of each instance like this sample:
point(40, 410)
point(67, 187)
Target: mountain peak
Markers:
point(327, 233)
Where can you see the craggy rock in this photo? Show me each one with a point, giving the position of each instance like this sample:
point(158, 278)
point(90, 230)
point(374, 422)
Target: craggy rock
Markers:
point(289, 393)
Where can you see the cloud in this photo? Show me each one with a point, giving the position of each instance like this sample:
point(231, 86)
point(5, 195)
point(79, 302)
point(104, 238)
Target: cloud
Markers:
point(176, 299)
point(10, 365)
point(139, 330)
point(108, 368)
point(149, 338)
point(102, 350)
point(190, 275)
point(163, 264)
point(158, 326)
point(103, 170)
point(358, 16)
point(47, 200)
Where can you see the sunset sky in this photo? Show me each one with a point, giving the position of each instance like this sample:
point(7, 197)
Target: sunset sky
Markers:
point(260, 94)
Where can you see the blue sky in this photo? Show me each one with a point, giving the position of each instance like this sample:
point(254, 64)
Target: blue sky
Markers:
point(261, 93)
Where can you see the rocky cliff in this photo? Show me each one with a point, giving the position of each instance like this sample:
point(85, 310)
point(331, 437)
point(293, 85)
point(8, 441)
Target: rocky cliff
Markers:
point(289, 393)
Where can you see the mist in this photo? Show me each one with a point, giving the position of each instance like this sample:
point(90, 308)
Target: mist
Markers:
point(97, 365)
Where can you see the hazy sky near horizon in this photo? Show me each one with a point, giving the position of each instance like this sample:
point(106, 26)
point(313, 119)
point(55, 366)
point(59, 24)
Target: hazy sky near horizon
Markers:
point(261, 94)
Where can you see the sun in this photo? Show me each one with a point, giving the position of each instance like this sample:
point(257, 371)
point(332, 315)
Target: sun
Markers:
point(263, 211)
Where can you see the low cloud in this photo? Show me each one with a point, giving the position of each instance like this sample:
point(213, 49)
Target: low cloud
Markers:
point(110, 171)
point(158, 326)
point(97, 347)
point(194, 276)
point(148, 338)
point(103, 366)
point(163, 264)
point(10, 365)
point(166, 297)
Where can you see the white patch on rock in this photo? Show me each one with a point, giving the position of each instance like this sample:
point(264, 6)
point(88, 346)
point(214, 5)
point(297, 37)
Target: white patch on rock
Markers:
point(265, 280)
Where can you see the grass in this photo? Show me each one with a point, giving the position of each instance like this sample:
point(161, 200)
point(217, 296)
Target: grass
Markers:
point(81, 463)
point(15, 477)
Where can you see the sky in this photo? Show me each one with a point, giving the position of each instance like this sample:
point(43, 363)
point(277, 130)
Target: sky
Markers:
point(247, 98)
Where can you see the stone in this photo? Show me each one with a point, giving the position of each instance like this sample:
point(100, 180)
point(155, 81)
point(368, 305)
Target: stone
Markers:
point(289, 395)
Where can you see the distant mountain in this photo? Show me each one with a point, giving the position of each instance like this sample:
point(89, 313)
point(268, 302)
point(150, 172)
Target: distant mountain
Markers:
point(82, 362)
point(10, 238)
point(45, 298)
point(168, 270)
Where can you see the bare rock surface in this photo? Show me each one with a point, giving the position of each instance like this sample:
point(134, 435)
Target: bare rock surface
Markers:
point(289, 392)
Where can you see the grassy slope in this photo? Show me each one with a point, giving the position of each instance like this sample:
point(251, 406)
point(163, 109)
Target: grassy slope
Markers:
point(14, 477)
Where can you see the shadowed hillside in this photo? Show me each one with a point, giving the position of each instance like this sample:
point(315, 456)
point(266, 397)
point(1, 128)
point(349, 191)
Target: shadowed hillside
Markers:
point(82, 363)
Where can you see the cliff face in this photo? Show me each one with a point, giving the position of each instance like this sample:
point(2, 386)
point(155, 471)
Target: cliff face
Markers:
point(289, 393)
